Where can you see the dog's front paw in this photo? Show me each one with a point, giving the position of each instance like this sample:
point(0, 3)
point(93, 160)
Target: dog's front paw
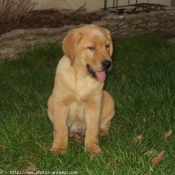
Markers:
point(58, 150)
point(93, 149)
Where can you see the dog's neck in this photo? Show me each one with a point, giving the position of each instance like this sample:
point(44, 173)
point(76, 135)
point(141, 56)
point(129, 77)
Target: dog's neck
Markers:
point(80, 72)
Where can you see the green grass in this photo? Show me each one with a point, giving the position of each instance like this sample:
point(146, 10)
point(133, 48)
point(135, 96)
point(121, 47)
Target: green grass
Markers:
point(142, 83)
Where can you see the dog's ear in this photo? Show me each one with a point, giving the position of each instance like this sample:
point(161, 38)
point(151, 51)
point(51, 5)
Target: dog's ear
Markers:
point(70, 42)
point(111, 43)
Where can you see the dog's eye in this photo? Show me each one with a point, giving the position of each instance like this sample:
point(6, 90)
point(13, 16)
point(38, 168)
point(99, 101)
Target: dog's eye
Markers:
point(91, 47)
point(107, 45)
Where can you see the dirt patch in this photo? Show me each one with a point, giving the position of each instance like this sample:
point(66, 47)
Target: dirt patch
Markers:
point(50, 19)
point(55, 18)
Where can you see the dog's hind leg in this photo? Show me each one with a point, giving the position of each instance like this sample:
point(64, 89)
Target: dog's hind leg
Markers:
point(108, 113)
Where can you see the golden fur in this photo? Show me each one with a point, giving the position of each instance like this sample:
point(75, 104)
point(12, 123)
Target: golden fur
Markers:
point(78, 104)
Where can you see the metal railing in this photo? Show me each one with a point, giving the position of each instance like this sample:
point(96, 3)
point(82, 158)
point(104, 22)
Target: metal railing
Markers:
point(136, 4)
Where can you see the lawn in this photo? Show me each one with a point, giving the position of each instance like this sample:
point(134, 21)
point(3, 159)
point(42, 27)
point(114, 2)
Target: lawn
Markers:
point(142, 83)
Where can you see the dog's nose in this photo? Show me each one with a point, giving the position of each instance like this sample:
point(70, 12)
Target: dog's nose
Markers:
point(106, 64)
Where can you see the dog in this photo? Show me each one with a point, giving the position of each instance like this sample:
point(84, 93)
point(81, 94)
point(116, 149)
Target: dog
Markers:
point(78, 104)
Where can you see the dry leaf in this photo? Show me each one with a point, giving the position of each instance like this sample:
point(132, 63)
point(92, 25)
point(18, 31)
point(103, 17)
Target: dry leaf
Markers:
point(151, 153)
point(123, 78)
point(76, 137)
point(138, 138)
point(30, 167)
point(167, 134)
point(157, 159)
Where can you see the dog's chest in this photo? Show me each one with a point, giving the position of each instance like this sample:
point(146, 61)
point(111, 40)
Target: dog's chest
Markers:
point(83, 88)
point(75, 83)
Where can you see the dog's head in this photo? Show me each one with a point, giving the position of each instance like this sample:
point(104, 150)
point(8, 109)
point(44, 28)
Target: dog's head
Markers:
point(91, 48)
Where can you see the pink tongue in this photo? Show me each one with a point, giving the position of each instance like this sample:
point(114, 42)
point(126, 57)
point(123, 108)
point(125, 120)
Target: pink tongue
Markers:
point(101, 76)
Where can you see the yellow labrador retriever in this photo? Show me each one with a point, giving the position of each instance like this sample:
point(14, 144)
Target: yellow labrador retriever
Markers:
point(78, 104)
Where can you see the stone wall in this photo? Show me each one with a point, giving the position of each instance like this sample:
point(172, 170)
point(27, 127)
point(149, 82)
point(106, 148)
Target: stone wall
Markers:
point(161, 23)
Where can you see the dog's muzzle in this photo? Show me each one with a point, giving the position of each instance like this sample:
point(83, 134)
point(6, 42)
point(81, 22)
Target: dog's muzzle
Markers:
point(91, 71)
point(101, 75)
